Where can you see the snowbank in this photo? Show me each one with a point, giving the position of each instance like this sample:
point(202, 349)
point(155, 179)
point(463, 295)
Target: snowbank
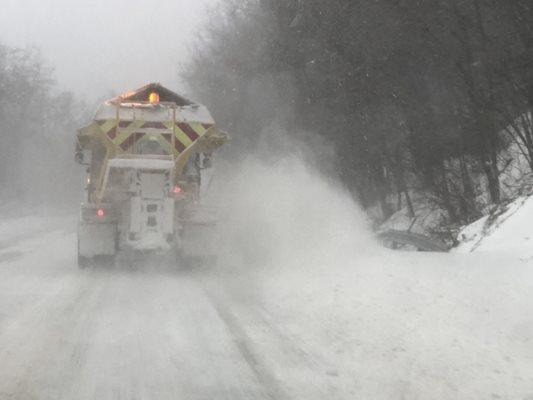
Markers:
point(508, 229)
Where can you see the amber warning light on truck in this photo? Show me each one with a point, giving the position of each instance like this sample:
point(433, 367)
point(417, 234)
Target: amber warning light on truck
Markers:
point(153, 98)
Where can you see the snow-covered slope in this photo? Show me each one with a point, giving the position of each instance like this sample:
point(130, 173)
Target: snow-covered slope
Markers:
point(510, 229)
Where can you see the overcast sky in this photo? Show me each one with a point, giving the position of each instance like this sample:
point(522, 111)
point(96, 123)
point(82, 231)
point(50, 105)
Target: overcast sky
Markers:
point(96, 46)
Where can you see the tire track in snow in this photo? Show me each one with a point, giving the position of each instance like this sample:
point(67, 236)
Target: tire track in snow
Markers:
point(281, 354)
point(246, 348)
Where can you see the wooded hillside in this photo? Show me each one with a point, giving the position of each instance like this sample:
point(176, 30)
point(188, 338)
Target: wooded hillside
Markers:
point(37, 131)
point(416, 97)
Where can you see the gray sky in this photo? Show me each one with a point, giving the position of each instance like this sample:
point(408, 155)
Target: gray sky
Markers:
point(96, 46)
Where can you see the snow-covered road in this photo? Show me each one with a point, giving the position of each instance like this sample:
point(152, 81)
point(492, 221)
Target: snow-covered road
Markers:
point(114, 334)
point(392, 326)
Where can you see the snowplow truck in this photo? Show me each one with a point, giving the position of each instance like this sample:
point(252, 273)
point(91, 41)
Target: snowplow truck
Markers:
point(148, 155)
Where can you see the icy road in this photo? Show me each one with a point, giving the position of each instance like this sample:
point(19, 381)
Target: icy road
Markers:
point(391, 326)
point(97, 334)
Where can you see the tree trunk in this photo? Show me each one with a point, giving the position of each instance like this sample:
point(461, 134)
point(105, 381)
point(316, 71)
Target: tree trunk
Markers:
point(410, 207)
point(492, 179)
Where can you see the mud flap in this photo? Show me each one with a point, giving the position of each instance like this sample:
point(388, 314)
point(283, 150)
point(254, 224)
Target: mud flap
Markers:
point(96, 240)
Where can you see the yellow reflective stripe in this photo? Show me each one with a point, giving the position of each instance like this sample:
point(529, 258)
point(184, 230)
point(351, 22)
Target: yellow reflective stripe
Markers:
point(134, 125)
point(200, 130)
point(121, 137)
point(182, 137)
point(107, 126)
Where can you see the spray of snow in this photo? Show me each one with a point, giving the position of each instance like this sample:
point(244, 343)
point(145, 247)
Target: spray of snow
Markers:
point(286, 214)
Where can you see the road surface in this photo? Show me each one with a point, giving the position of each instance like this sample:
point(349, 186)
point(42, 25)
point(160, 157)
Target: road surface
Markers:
point(153, 332)
point(325, 326)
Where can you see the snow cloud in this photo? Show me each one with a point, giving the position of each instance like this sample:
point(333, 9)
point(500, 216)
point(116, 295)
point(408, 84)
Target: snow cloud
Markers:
point(284, 213)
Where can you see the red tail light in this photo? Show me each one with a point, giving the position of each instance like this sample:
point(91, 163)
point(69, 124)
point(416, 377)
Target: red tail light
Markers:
point(177, 190)
point(100, 212)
